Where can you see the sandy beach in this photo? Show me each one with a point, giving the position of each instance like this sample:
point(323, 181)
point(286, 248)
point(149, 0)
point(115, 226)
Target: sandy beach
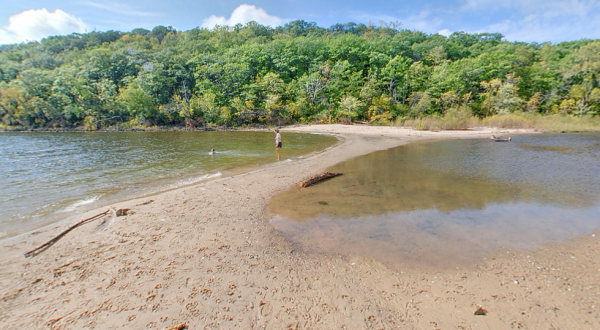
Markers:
point(205, 256)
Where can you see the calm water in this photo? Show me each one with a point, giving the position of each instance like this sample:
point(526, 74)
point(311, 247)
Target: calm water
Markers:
point(450, 203)
point(54, 174)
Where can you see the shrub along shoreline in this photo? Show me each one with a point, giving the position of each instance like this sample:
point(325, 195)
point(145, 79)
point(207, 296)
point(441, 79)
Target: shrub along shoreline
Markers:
point(450, 121)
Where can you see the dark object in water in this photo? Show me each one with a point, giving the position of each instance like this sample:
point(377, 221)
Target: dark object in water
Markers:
point(323, 203)
point(480, 311)
point(318, 178)
point(497, 139)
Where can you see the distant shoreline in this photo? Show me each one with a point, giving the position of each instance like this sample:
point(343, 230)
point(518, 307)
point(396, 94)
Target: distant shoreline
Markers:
point(546, 125)
point(149, 129)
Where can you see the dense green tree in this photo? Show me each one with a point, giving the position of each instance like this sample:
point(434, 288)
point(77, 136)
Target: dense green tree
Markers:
point(251, 73)
point(300, 28)
point(500, 97)
point(137, 102)
point(584, 71)
point(160, 32)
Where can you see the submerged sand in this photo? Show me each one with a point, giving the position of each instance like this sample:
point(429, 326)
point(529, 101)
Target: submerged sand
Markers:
point(207, 257)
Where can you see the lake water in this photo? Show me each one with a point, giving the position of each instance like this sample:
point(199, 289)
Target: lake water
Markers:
point(53, 175)
point(449, 203)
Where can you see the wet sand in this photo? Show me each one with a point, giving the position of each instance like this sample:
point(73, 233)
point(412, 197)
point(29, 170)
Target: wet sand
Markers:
point(206, 256)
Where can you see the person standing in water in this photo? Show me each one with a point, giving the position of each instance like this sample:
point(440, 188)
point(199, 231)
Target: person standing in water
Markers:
point(278, 144)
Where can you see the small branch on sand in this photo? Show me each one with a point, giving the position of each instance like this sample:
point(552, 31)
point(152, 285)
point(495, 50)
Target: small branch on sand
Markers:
point(318, 178)
point(145, 203)
point(480, 311)
point(51, 242)
point(178, 327)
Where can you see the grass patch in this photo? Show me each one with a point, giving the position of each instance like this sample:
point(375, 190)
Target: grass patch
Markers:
point(550, 123)
point(454, 119)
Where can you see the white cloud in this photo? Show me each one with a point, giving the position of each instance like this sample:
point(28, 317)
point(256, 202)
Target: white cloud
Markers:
point(444, 32)
point(120, 8)
point(423, 21)
point(244, 14)
point(376, 20)
point(35, 24)
point(479, 4)
point(538, 20)
point(546, 8)
point(551, 7)
point(536, 28)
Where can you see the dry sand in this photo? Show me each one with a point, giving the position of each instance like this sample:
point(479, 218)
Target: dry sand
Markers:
point(206, 256)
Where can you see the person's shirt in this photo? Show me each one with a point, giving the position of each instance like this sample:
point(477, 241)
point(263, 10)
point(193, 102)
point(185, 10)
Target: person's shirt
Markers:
point(278, 138)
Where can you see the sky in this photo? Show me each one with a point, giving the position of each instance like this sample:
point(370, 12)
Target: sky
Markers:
point(518, 20)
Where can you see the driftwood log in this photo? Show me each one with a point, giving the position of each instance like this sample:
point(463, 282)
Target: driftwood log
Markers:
point(51, 242)
point(318, 178)
point(500, 139)
point(145, 203)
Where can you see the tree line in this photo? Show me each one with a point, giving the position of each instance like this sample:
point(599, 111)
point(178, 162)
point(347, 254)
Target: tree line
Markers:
point(300, 72)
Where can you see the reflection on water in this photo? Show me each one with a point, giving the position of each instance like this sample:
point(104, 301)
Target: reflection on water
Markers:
point(450, 203)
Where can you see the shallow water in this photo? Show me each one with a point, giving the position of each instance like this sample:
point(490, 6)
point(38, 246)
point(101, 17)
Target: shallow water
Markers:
point(449, 203)
point(49, 174)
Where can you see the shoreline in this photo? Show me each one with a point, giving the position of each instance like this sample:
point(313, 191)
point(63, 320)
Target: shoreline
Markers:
point(205, 255)
point(56, 210)
point(80, 129)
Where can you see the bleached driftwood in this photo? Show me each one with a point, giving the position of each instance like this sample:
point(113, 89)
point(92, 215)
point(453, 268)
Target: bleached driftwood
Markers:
point(145, 203)
point(51, 242)
point(318, 178)
point(499, 139)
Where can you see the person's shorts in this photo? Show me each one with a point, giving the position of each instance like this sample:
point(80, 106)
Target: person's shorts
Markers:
point(279, 145)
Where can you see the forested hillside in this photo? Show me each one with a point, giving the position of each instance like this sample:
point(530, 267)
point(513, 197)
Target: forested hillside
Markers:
point(299, 72)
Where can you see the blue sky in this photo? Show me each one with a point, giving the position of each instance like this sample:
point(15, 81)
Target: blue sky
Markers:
point(517, 20)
